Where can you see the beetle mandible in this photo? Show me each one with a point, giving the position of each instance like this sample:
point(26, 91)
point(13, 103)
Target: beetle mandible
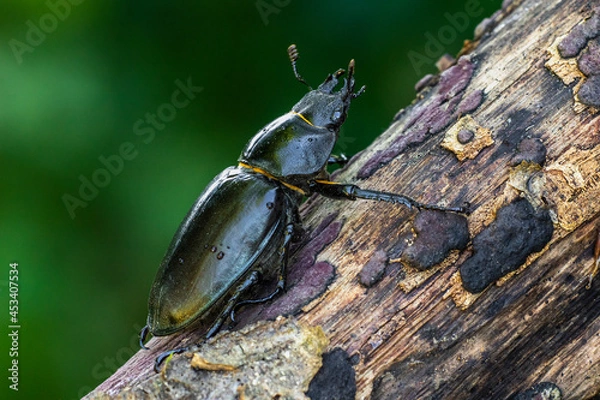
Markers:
point(239, 230)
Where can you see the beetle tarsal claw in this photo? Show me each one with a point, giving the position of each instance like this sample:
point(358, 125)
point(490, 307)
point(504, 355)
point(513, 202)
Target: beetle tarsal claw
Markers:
point(143, 335)
point(167, 355)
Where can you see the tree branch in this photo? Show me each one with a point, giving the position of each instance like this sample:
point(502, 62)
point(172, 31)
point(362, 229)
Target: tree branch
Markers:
point(421, 304)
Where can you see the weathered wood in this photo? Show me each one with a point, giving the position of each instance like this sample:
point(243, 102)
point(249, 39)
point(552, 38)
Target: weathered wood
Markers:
point(511, 128)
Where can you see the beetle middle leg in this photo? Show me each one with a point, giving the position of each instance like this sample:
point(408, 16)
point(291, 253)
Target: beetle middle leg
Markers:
point(290, 231)
point(340, 160)
point(251, 280)
point(352, 192)
point(233, 303)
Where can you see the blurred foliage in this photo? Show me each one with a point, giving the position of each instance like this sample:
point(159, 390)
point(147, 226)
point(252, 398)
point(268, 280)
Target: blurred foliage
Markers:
point(77, 76)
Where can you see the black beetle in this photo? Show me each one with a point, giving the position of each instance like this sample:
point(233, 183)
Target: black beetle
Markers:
point(239, 230)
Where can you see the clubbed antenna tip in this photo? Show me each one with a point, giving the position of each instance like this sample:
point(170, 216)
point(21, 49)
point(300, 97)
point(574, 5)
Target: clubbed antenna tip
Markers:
point(293, 53)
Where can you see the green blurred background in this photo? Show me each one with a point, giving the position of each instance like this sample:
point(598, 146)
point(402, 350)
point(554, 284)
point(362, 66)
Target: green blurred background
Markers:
point(77, 76)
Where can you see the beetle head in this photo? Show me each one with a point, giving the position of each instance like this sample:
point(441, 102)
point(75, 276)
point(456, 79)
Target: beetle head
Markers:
point(326, 107)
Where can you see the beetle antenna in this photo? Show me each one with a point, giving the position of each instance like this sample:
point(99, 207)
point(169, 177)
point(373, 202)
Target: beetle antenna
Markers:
point(293, 54)
point(360, 91)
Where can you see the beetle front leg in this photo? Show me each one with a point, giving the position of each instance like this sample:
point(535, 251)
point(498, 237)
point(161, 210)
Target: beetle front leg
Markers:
point(352, 192)
point(298, 229)
point(283, 261)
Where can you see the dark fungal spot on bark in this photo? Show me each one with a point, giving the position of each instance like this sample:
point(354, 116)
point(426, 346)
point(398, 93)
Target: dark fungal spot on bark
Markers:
point(335, 380)
point(504, 245)
point(437, 233)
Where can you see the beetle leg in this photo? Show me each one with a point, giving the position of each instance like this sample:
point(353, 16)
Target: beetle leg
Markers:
point(340, 160)
point(352, 192)
point(298, 228)
point(290, 230)
point(165, 354)
point(143, 334)
point(250, 281)
point(281, 279)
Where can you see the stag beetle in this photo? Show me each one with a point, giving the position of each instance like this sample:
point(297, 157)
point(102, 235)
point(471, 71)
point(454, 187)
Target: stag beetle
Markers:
point(239, 230)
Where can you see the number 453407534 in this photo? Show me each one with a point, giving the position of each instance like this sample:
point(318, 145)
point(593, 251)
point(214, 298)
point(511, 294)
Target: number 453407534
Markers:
point(13, 293)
